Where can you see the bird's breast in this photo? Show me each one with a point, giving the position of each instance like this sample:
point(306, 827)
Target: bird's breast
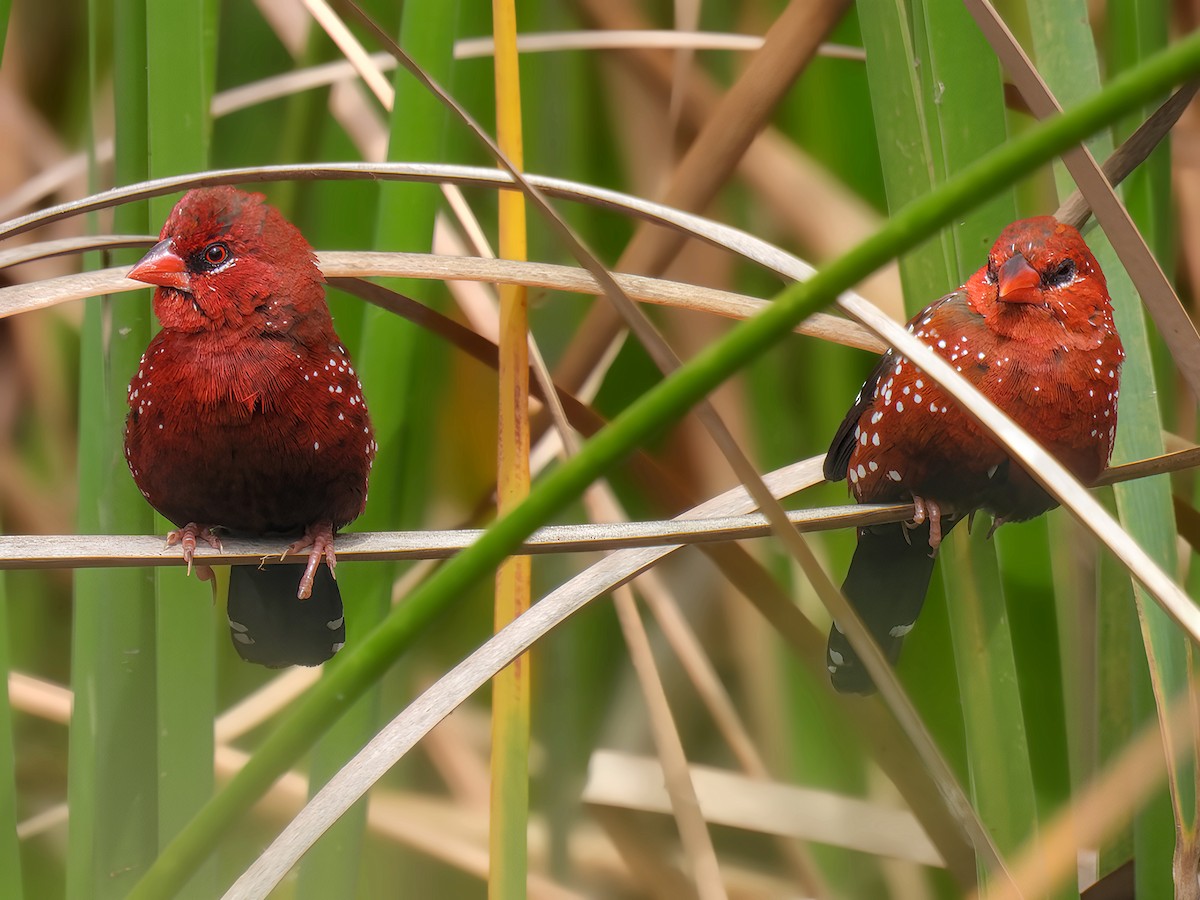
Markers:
point(914, 439)
point(259, 435)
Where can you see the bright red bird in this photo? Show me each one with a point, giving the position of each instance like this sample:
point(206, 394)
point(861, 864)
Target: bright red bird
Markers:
point(246, 415)
point(1033, 330)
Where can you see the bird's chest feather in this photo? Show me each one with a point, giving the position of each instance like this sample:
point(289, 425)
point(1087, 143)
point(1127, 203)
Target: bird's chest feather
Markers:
point(260, 434)
point(1059, 385)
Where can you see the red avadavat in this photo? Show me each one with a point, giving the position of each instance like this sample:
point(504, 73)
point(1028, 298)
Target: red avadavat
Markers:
point(1033, 330)
point(245, 414)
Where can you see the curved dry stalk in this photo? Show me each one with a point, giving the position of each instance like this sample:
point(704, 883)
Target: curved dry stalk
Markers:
point(637, 39)
point(1177, 461)
point(694, 837)
point(70, 246)
point(309, 78)
point(354, 52)
point(767, 807)
point(82, 551)
point(459, 683)
point(734, 239)
point(367, 264)
point(104, 551)
point(288, 84)
point(51, 180)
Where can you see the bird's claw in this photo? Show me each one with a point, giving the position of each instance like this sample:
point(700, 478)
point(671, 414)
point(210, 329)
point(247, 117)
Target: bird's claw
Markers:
point(186, 537)
point(931, 511)
point(318, 540)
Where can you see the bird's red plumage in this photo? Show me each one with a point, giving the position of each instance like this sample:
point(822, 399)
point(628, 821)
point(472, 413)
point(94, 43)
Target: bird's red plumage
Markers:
point(1033, 330)
point(1052, 363)
point(245, 411)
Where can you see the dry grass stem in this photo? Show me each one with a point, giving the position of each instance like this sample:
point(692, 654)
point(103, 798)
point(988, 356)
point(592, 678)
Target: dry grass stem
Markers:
point(727, 798)
point(705, 873)
point(363, 264)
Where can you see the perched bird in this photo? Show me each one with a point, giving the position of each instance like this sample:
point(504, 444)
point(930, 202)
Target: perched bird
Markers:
point(1033, 330)
point(245, 414)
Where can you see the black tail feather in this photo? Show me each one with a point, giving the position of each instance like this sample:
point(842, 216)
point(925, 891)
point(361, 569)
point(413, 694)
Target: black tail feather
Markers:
point(887, 582)
point(271, 627)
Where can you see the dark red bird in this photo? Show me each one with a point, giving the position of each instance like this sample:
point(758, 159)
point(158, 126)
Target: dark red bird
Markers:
point(245, 414)
point(1033, 330)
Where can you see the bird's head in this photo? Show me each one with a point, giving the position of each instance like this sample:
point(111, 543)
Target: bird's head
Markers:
point(228, 260)
point(1045, 263)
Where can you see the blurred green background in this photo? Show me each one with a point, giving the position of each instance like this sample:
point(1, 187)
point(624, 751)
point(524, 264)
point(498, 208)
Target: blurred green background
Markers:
point(116, 91)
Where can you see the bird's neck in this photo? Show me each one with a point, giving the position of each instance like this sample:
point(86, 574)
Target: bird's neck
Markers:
point(243, 366)
point(1042, 325)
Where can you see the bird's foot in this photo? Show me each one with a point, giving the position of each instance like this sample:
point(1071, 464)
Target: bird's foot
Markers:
point(186, 537)
point(931, 511)
point(318, 540)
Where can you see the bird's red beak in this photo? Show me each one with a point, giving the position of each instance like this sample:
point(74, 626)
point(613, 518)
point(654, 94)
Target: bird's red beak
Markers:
point(1019, 281)
point(162, 266)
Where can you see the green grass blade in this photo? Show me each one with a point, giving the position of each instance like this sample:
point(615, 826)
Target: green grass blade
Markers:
point(179, 85)
point(905, 148)
point(906, 153)
point(1137, 30)
point(964, 103)
point(944, 76)
point(10, 847)
point(113, 762)
point(1071, 70)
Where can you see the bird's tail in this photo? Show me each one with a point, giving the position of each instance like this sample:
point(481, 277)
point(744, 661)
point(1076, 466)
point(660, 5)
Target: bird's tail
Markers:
point(271, 627)
point(887, 582)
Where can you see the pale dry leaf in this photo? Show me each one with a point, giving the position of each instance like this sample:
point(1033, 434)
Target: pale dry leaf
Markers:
point(769, 807)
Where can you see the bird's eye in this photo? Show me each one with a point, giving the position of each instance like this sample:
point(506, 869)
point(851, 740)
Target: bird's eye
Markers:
point(1062, 274)
point(215, 254)
point(990, 276)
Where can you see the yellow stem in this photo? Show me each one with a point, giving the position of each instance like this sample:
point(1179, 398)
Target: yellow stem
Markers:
point(510, 696)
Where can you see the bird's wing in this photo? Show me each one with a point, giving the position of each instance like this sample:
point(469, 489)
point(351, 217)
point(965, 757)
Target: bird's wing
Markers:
point(837, 459)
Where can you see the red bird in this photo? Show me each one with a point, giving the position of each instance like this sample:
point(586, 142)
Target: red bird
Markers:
point(245, 414)
point(1033, 330)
